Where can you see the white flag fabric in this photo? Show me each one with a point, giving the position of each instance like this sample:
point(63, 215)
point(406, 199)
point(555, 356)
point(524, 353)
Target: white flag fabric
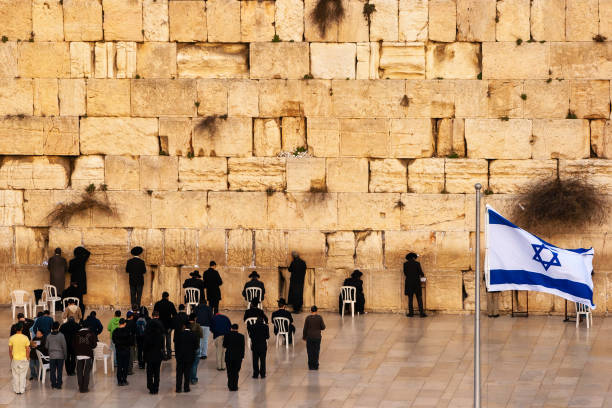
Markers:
point(518, 260)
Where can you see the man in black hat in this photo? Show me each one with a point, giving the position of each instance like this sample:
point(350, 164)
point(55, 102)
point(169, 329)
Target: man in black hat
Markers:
point(136, 268)
point(195, 282)
point(212, 281)
point(355, 281)
point(233, 342)
point(297, 269)
point(254, 283)
point(283, 312)
point(412, 285)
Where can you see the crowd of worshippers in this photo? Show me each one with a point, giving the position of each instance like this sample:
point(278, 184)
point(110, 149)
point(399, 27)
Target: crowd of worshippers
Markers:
point(147, 340)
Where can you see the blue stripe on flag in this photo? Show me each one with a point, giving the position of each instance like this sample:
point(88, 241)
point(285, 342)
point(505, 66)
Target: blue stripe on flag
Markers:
point(522, 277)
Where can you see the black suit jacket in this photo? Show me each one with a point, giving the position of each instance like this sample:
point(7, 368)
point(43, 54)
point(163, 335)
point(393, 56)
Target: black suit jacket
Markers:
point(154, 341)
point(136, 268)
point(233, 342)
point(413, 274)
point(259, 334)
point(255, 283)
point(186, 343)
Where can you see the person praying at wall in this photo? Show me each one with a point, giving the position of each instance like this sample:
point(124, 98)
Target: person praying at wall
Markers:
point(58, 267)
point(78, 273)
point(195, 281)
point(212, 282)
point(283, 312)
point(355, 281)
point(254, 283)
point(297, 269)
point(136, 269)
point(412, 285)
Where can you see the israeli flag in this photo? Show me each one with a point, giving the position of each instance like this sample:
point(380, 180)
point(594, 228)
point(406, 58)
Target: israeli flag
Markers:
point(518, 260)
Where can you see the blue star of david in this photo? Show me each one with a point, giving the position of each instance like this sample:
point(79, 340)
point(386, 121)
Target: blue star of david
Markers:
point(554, 261)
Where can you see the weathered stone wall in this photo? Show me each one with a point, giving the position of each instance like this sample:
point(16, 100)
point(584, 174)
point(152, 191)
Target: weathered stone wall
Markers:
point(181, 108)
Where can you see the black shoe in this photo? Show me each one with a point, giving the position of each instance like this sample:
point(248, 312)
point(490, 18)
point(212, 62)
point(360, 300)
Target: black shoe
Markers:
point(178, 390)
point(186, 390)
point(126, 382)
point(203, 358)
point(423, 315)
point(262, 376)
point(409, 314)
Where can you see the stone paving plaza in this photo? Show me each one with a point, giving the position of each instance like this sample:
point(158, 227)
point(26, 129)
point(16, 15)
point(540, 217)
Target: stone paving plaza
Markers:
point(379, 360)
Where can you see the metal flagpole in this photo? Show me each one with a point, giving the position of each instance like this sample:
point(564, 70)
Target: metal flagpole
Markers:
point(477, 186)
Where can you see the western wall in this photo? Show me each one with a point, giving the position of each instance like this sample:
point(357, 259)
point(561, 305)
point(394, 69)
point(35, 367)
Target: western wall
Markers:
point(238, 131)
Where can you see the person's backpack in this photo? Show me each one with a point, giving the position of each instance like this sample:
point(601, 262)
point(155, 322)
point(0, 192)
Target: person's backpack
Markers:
point(141, 325)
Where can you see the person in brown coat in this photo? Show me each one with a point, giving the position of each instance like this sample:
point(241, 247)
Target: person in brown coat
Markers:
point(58, 267)
point(313, 325)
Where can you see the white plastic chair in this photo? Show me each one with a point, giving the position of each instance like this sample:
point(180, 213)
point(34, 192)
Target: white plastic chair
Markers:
point(253, 293)
point(586, 311)
point(103, 352)
point(66, 299)
point(348, 296)
point(192, 296)
point(52, 297)
point(282, 325)
point(20, 298)
point(43, 362)
point(248, 322)
point(42, 303)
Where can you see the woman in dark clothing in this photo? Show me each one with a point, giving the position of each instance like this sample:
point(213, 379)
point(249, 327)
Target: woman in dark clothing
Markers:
point(357, 283)
point(76, 268)
point(212, 281)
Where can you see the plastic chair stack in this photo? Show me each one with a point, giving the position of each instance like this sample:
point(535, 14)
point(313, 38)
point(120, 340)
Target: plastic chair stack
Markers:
point(20, 298)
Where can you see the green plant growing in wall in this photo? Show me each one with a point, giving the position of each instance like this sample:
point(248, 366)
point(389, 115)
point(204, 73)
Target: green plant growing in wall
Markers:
point(571, 115)
point(298, 150)
point(4, 38)
point(90, 188)
point(63, 212)
point(504, 118)
point(103, 187)
point(524, 97)
point(276, 38)
point(600, 38)
point(479, 76)
point(519, 41)
point(405, 102)
point(326, 13)
point(452, 155)
point(308, 76)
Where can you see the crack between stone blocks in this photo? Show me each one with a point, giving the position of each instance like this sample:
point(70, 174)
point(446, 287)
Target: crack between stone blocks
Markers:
point(253, 260)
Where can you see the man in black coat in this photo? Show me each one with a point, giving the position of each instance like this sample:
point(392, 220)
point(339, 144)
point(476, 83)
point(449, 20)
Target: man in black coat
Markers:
point(69, 330)
point(283, 312)
point(153, 351)
point(212, 281)
point(259, 334)
point(233, 342)
point(195, 282)
point(57, 266)
point(356, 282)
point(181, 319)
point(412, 285)
point(254, 283)
point(254, 311)
point(186, 344)
point(297, 269)
point(166, 311)
point(136, 268)
point(123, 341)
point(76, 268)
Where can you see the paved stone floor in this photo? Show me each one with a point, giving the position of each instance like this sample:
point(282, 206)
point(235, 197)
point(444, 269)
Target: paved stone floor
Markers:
point(379, 360)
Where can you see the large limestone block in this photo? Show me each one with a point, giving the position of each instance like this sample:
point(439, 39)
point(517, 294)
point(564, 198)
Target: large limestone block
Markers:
point(87, 170)
point(385, 291)
point(163, 97)
point(581, 60)
point(16, 96)
point(212, 97)
point(289, 19)
point(462, 174)
point(476, 20)
point(368, 211)
point(243, 98)
point(305, 211)
point(182, 209)
point(471, 99)
point(8, 60)
point(256, 20)
point(180, 247)
point(125, 60)
point(347, 175)
point(312, 31)
point(413, 20)
point(11, 208)
point(118, 136)
point(270, 248)
point(240, 247)
point(498, 139)
point(451, 137)
point(81, 64)
point(433, 212)
point(388, 176)
point(47, 20)
point(598, 172)
point(223, 20)
point(7, 246)
point(122, 20)
point(66, 239)
point(332, 61)
point(38, 204)
point(354, 26)
point(46, 97)
point(103, 285)
point(155, 20)
point(513, 20)
point(453, 249)
point(367, 99)
point(187, 21)
point(266, 137)
point(44, 60)
point(23, 136)
point(211, 247)
point(547, 99)
point(368, 249)
point(323, 137)
point(310, 245)
point(561, 139)
point(306, 174)
point(513, 176)
point(279, 60)
point(156, 60)
point(295, 98)
point(203, 173)
point(399, 243)
point(82, 20)
point(362, 71)
point(108, 97)
point(581, 20)
point(175, 135)
point(426, 176)
point(293, 133)
point(505, 99)
point(548, 20)
point(107, 245)
point(340, 249)
point(605, 19)
point(223, 137)
point(399, 61)
point(234, 209)
point(132, 209)
point(256, 174)
point(384, 21)
point(590, 99)
point(364, 137)
point(459, 60)
point(324, 284)
point(16, 19)
point(159, 173)
point(442, 20)
point(122, 172)
point(212, 60)
point(61, 136)
point(429, 99)
point(507, 60)
point(167, 280)
point(71, 97)
point(34, 173)
point(601, 138)
point(444, 290)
